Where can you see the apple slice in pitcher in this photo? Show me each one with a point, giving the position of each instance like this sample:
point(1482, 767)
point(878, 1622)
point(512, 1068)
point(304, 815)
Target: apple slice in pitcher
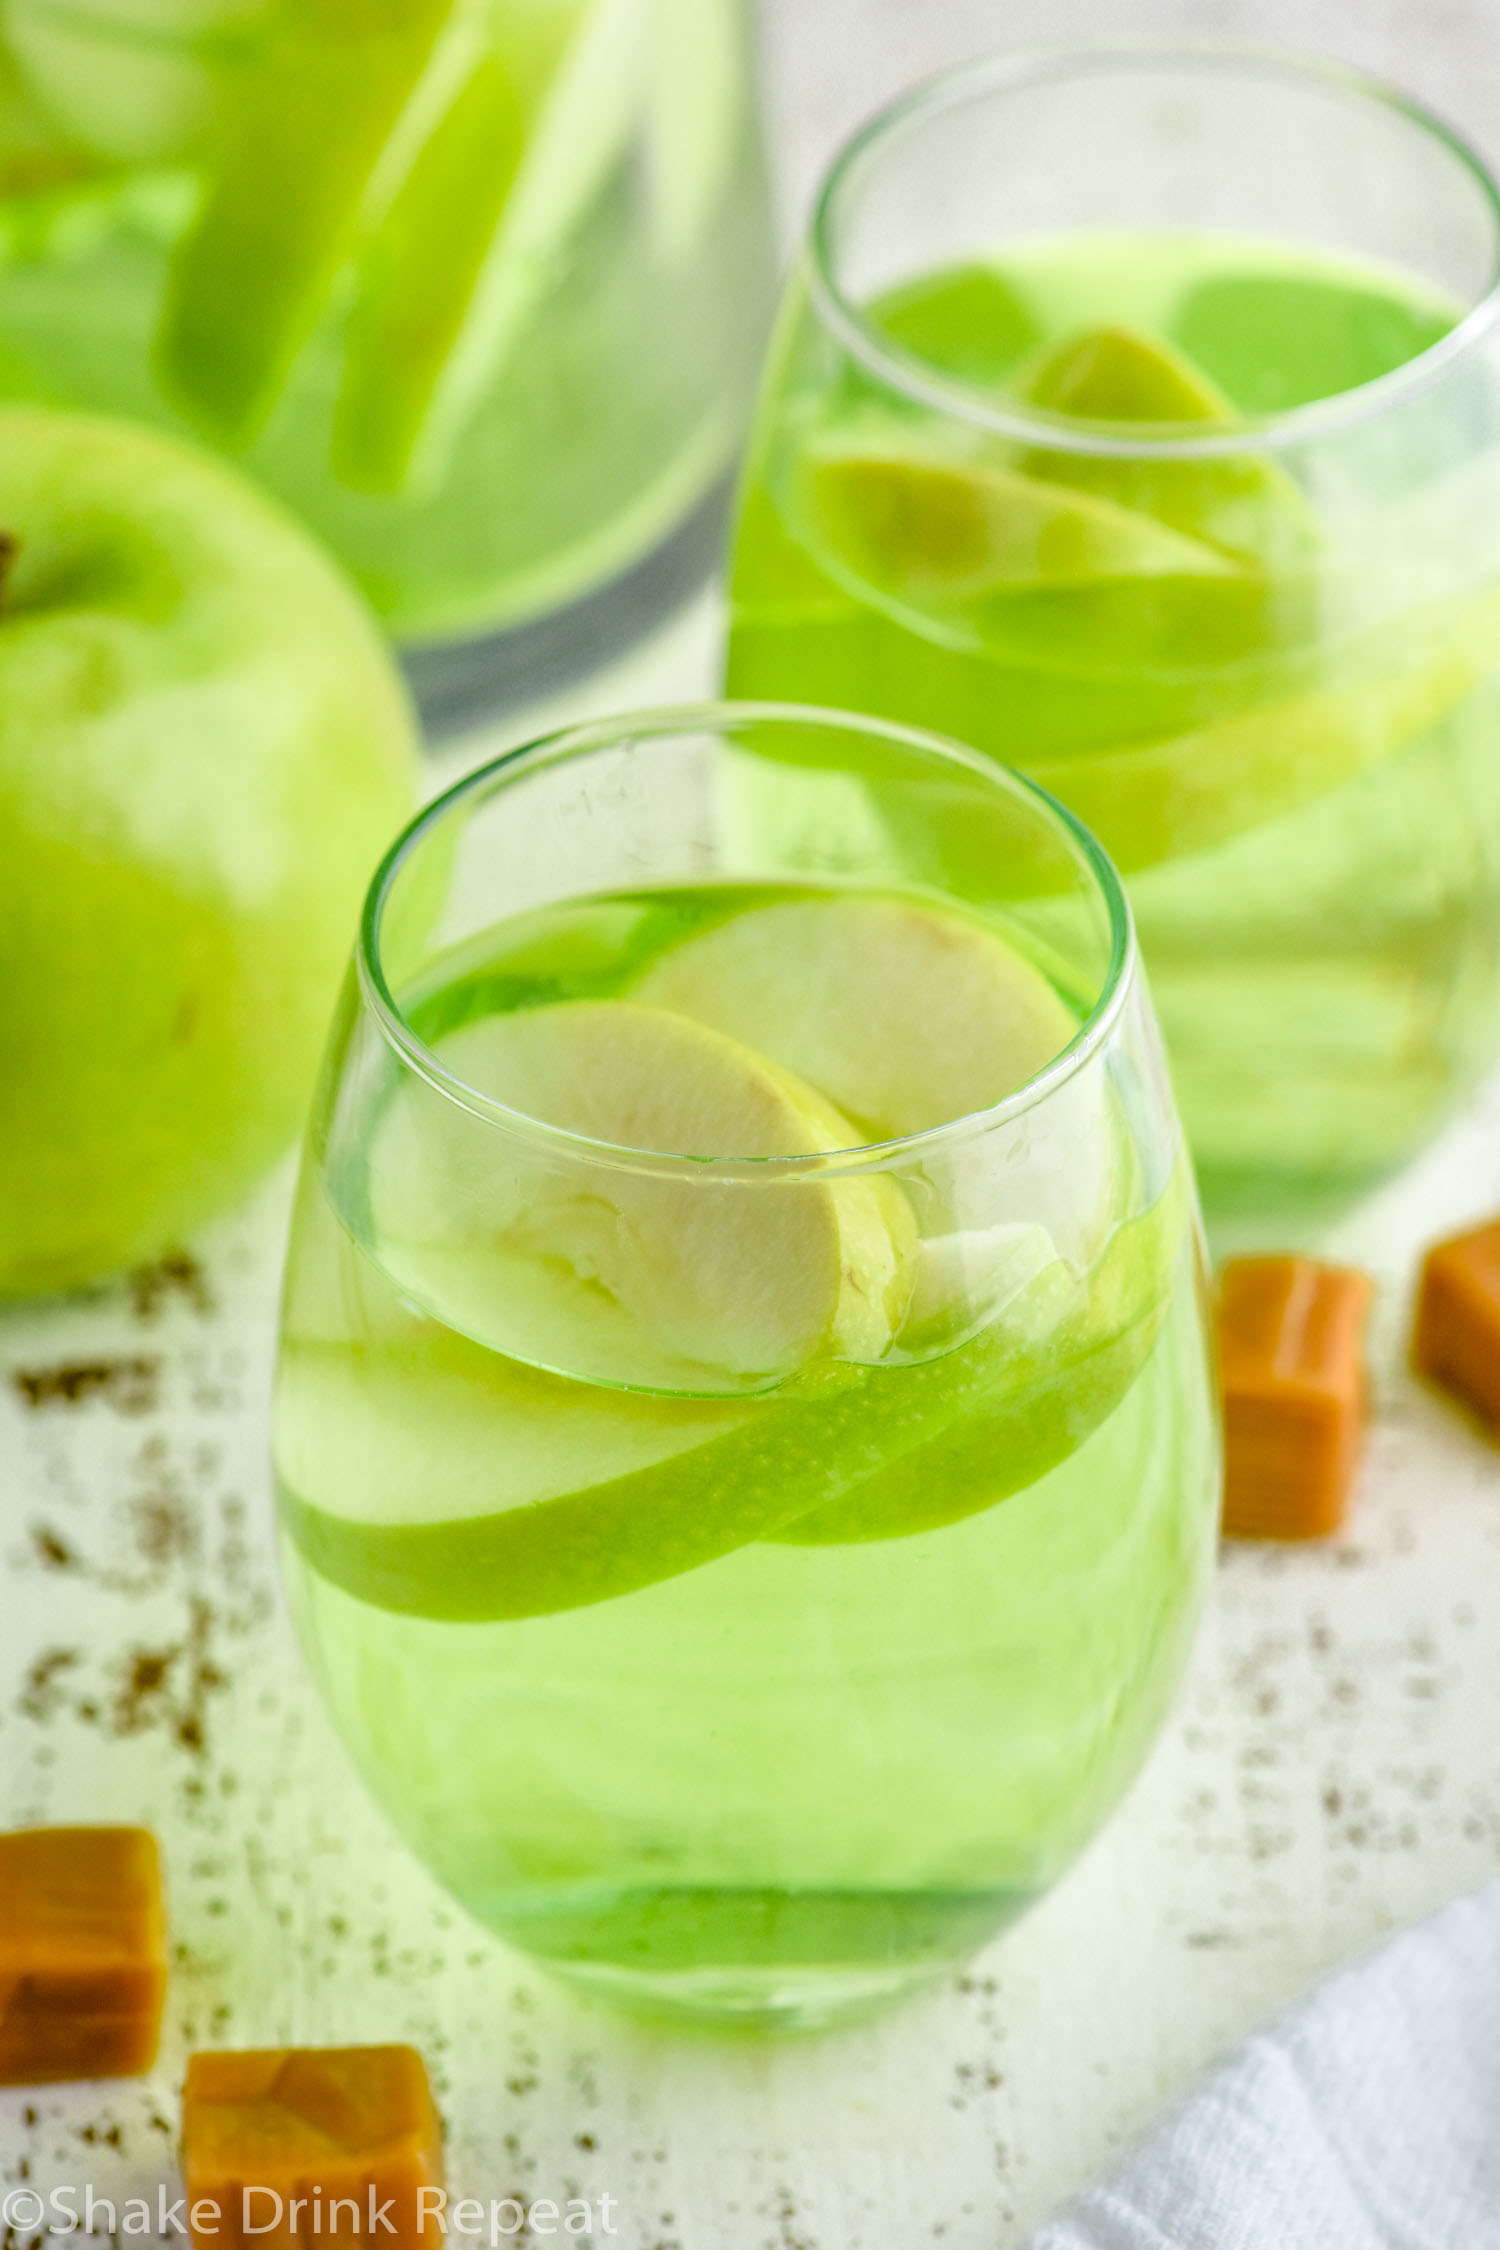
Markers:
point(303, 122)
point(452, 270)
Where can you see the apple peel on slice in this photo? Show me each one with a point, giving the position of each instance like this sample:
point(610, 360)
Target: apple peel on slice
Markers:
point(1160, 800)
point(1037, 1382)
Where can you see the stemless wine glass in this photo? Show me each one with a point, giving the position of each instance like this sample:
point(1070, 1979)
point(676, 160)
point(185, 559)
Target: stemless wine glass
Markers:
point(745, 1442)
point(479, 290)
point(1135, 418)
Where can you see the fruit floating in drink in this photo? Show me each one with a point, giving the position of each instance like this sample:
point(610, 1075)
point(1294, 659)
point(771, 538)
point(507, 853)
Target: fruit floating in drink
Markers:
point(746, 1454)
point(1201, 529)
point(478, 290)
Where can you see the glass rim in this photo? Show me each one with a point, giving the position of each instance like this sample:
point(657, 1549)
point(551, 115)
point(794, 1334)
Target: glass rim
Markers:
point(909, 374)
point(591, 737)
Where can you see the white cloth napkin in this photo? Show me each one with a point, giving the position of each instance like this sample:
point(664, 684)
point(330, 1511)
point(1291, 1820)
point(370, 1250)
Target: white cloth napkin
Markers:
point(1365, 2117)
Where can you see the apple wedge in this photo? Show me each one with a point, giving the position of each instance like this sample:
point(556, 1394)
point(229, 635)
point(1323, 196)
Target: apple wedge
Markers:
point(457, 1485)
point(922, 524)
point(300, 132)
point(984, 558)
point(1244, 502)
point(614, 1271)
point(453, 269)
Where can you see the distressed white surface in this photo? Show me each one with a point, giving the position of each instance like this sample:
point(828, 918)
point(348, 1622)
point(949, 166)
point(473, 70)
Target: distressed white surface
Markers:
point(1333, 1770)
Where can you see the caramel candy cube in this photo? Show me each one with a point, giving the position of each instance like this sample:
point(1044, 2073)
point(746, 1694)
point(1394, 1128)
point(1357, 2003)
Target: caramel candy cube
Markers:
point(83, 1954)
point(1291, 1334)
point(1456, 1340)
point(289, 2145)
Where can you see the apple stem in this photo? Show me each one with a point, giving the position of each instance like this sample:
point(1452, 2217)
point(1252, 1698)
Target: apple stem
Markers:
point(8, 546)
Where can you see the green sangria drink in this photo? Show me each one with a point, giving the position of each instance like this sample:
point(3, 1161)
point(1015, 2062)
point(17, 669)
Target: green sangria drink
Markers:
point(745, 1440)
point(1136, 420)
point(477, 286)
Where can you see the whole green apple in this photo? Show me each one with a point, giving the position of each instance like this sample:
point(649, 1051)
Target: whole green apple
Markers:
point(203, 748)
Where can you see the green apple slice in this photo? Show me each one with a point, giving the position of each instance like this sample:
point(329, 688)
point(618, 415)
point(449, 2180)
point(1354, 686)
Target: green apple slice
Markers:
point(1244, 503)
point(1116, 374)
point(1071, 1354)
point(483, 1435)
point(620, 1273)
point(471, 241)
point(419, 271)
point(908, 1017)
point(980, 557)
point(1153, 801)
point(421, 263)
point(917, 525)
point(455, 1485)
point(989, 1267)
point(452, 1483)
point(299, 136)
point(905, 1015)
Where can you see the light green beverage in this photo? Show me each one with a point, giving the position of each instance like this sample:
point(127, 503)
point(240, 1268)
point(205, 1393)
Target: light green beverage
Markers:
point(745, 1584)
point(477, 289)
point(1126, 509)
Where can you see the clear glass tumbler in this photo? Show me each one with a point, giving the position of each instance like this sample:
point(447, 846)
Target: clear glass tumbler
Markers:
point(1136, 418)
point(745, 1440)
point(477, 286)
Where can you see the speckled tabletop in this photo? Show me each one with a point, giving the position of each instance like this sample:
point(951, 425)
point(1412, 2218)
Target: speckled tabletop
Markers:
point(1333, 1768)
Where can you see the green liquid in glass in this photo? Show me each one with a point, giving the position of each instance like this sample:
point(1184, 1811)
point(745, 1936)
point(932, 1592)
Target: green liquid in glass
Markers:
point(1265, 679)
point(477, 292)
point(754, 1708)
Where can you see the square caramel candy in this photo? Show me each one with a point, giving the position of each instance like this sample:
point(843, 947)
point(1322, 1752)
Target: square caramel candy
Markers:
point(1291, 1366)
point(83, 1954)
point(1456, 1340)
point(289, 2145)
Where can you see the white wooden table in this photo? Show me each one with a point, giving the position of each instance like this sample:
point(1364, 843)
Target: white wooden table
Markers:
point(1333, 1768)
